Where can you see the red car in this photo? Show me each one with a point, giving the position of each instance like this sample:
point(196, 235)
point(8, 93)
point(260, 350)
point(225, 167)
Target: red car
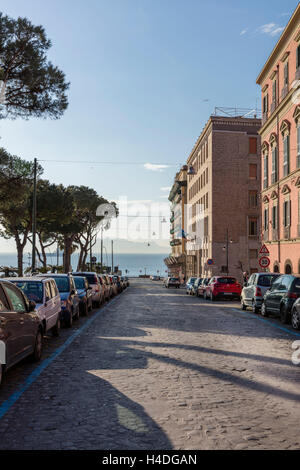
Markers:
point(223, 286)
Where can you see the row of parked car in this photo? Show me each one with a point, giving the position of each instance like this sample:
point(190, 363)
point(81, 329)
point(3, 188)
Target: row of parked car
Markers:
point(266, 293)
point(31, 307)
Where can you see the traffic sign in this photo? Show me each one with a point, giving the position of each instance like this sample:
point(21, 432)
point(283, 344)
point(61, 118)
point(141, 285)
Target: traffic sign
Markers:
point(264, 262)
point(264, 251)
point(209, 262)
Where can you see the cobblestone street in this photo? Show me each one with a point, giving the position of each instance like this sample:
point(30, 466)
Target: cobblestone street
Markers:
point(158, 369)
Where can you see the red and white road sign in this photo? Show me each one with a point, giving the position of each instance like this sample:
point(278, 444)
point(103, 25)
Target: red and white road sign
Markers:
point(264, 251)
point(264, 262)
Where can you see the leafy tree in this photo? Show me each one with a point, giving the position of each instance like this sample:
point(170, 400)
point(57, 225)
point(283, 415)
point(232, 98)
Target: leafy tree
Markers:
point(16, 202)
point(32, 86)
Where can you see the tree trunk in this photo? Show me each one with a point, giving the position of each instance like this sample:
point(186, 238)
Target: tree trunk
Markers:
point(67, 254)
point(20, 249)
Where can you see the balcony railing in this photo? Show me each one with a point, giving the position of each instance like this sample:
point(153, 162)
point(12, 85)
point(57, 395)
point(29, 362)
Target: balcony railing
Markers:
point(273, 106)
point(274, 178)
point(266, 235)
point(274, 234)
point(265, 117)
point(284, 91)
point(286, 233)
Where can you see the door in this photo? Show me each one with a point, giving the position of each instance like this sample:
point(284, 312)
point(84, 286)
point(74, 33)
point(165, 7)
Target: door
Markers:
point(272, 294)
point(25, 323)
point(9, 332)
point(49, 306)
point(248, 291)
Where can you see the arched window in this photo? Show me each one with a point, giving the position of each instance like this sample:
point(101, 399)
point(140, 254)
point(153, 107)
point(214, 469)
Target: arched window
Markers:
point(288, 269)
point(276, 268)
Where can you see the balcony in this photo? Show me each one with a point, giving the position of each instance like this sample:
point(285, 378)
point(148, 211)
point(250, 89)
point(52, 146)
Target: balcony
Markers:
point(286, 233)
point(266, 235)
point(284, 91)
point(265, 117)
point(273, 106)
point(274, 234)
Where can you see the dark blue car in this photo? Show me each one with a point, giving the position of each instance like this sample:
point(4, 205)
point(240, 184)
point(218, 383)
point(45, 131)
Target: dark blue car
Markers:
point(68, 296)
point(85, 294)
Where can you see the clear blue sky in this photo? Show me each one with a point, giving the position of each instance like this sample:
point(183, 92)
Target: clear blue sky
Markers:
point(141, 72)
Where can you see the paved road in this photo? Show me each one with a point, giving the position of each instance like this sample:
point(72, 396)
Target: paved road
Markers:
point(157, 369)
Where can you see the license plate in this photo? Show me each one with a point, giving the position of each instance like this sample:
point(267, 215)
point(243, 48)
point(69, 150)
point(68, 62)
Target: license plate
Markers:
point(227, 293)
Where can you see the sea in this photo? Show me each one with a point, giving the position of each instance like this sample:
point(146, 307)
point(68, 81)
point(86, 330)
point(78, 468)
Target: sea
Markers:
point(135, 263)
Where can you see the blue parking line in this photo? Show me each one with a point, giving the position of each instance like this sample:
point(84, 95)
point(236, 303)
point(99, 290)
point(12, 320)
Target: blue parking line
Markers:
point(6, 405)
point(286, 330)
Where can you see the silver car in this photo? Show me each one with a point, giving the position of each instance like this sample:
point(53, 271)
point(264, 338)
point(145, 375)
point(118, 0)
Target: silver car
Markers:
point(255, 289)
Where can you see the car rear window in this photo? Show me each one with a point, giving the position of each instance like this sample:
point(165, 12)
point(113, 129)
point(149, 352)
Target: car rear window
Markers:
point(32, 289)
point(92, 278)
point(266, 280)
point(174, 279)
point(296, 286)
point(62, 283)
point(226, 280)
point(79, 282)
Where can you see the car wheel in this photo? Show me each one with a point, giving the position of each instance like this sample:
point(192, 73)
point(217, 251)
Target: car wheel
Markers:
point(284, 316)
point(254, 307)
point(243, 306)
point(295, 319)
point(264, 310)
point(38, 347)
point(56, 329)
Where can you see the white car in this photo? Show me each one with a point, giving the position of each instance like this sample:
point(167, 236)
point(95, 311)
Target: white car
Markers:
point(44, 292)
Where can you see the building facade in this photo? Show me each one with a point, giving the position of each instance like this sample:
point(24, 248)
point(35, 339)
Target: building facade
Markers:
point(280, 159)
point(223, 186)
point(176, 262)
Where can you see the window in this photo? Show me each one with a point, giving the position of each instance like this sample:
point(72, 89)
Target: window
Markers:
point(286, 155)
point(16, 299)
point(266, 104)
point(253, 171)
point(253, 199)
point(253, 145)
point(266, 170)
point(48, 294)
point(274, 91)
point(252, 227)
point(287, 213)
point(274, 217)
point(266, 219)
point(274, 177)
point(298, 57)
point(286, 74)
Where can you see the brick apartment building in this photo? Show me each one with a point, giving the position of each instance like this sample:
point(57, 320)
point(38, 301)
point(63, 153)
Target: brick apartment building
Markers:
point(280, 137)
point(176, 262)
point(223, 187)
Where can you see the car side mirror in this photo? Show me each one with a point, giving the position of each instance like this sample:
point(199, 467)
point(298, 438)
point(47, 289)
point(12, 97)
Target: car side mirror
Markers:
point(31, 306)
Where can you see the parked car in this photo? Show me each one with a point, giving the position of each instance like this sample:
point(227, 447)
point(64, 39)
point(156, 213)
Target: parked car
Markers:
point(155, 278)
point(113, 285)
point(190, 284)
point(202, 286)
point(280, 298)
point(173, 282)
point(194, 289)
point(127, 281)
point(117, 280)
point(68, 296)
point(105, 287)
point(255, 289)
point(107, 280)
point(85, 294)
point(45, 294)
point(94, 283)
point(21, 331)
point(223, 286)
point(296, 315)
point(124, 282)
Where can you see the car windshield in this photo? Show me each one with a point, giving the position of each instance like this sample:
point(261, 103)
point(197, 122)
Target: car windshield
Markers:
point(79, 282)
point(32, 289)
point(62, 283)
point(266, 280)
point(226, 280)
